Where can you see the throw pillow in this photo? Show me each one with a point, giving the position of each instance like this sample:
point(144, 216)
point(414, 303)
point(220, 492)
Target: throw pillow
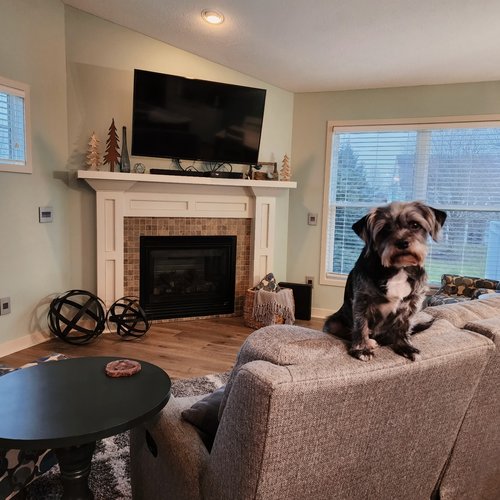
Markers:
point(204, 415)
point(268, 283)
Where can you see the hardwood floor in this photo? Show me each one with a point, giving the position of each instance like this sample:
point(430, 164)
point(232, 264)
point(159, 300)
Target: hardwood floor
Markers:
point(184, 349)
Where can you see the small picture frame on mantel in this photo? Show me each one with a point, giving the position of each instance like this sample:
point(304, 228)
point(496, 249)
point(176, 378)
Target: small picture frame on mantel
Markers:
point(264, 171)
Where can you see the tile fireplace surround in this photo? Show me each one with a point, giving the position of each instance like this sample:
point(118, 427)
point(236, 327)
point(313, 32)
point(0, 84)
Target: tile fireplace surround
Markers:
point(135, 227)
point(188, 201)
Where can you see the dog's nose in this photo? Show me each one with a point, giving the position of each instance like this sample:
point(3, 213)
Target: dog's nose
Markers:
point(402, 244)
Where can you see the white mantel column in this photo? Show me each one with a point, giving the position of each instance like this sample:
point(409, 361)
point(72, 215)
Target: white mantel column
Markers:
point(263, 236)
point(110, 245)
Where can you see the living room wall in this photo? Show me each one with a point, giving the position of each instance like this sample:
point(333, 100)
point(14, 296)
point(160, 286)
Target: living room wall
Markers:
point(35, 258)
point(101, 57)
point(80, 69)
point(312, 111)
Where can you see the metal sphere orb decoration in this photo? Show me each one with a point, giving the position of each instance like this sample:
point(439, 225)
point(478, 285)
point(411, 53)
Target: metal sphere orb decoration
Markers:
point(129, 317)
point(77, 316)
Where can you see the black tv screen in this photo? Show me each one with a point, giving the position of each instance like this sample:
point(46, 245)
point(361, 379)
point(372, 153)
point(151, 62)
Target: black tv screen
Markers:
point(182, 118)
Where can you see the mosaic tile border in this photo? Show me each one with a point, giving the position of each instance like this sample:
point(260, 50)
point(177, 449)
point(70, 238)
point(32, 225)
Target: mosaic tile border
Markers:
point(134, 227)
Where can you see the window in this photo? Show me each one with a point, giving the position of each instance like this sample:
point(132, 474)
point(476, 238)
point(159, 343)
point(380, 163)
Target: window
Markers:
point(452, 166)
point(15, 150)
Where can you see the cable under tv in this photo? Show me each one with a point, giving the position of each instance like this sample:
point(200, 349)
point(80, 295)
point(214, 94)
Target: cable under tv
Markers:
point(196, 173)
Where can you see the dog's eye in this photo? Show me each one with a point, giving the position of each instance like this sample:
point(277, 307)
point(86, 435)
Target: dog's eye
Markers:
point(415, 225)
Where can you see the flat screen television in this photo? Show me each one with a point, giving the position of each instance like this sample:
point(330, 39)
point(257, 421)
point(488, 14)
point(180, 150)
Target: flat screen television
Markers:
point(182, 118)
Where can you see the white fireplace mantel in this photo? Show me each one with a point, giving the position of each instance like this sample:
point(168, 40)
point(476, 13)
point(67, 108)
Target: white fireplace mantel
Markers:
point(120, 195)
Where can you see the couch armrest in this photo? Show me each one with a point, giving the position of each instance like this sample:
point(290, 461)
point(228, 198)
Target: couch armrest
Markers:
point(167, 455)
point(284, 345)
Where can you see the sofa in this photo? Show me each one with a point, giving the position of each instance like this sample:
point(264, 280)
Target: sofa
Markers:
point(457, 288)
point(473, 468)
point(300, 419)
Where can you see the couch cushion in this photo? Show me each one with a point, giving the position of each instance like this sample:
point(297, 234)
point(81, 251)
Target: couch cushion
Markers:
point(489, 327)
point(461, 313)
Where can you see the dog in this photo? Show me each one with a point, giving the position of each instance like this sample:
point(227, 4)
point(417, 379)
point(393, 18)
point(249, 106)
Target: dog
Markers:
point(387, 285)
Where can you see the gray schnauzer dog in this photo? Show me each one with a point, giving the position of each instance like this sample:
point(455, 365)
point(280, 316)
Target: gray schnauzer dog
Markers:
point(387, 285)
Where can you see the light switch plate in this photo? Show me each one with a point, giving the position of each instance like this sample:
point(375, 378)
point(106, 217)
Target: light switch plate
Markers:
point(45, 214)
point(4, 306)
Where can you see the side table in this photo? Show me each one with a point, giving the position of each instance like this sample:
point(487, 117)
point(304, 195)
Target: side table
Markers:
point(70, 404)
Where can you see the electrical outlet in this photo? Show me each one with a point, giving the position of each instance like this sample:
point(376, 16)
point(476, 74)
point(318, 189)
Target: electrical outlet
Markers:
point(312, 219)
point(310, 280)
point(4, 306)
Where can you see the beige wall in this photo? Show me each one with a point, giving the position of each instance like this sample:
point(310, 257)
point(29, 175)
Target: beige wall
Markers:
point(311, 113)
point(101, 57)
point(34, 258)
point(80, 69)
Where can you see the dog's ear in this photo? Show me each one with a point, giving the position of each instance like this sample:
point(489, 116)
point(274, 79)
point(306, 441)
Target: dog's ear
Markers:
point(439, 218)
point(361, 229)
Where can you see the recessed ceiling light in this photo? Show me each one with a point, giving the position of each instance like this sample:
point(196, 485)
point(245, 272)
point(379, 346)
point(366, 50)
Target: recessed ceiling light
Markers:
point(212, 16)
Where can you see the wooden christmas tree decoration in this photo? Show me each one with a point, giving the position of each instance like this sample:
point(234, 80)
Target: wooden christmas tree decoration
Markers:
point(112, 155)
point(286, 171)
point(93, 158)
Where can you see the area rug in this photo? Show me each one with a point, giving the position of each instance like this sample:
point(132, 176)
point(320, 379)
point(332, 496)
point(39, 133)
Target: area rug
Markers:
point(110, 474)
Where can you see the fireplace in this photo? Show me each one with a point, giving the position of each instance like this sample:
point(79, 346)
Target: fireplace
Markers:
point(132, 205)
point(187, 276)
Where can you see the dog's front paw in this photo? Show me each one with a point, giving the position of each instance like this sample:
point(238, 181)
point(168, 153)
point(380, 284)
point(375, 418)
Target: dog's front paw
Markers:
point(406, 350)
point(363, 351)
point(361, 354)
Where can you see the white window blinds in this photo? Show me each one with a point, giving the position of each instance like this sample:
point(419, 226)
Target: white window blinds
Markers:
point(453, 167)
point(14, 151)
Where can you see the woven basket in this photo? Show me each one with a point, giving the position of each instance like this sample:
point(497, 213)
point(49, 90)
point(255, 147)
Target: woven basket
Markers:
point(248, 318)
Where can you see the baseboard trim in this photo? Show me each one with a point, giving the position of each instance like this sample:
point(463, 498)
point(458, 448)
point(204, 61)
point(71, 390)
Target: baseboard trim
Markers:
point(317, 312)
point(21, 343)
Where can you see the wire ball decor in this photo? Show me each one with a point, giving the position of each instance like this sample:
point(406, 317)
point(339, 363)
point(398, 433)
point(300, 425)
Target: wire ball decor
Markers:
point(129, 318)
point(77, 316)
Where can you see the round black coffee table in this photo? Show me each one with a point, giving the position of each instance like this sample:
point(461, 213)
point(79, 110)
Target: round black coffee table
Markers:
point(67, 405)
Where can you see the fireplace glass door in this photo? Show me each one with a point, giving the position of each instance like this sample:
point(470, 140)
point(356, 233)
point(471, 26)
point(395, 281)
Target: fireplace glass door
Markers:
point(187, 276)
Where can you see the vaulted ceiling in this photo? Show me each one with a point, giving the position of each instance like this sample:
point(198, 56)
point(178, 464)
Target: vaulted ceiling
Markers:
point(324, 45)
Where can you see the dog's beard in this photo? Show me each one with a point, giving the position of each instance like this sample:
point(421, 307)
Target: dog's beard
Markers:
point(413, 256)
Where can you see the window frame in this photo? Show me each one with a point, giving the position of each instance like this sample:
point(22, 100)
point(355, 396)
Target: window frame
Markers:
point(23, 90)
point(339, 280)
